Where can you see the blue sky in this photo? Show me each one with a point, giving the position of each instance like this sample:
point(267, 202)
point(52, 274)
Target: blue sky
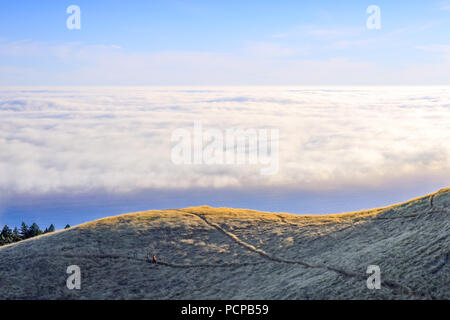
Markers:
point(261, 42)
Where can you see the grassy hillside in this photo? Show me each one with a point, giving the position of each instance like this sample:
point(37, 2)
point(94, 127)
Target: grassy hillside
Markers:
point(221, 253)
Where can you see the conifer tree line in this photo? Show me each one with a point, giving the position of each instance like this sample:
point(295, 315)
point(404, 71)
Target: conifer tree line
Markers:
point(25, 232)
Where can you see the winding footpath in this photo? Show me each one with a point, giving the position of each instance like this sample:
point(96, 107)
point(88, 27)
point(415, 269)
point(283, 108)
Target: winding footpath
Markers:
point(391, 284)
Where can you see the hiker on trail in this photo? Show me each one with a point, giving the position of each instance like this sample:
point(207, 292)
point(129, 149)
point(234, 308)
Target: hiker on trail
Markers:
point(154, 259)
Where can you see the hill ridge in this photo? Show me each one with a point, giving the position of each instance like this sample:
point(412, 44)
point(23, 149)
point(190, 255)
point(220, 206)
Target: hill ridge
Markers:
point(298, 256)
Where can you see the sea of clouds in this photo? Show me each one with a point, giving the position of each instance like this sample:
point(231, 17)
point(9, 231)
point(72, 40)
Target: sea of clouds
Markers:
point(118, 139)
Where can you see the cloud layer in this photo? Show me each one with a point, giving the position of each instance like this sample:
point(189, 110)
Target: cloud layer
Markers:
point(118, 139)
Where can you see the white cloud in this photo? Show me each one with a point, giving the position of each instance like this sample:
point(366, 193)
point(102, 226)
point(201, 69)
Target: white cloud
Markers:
point(263, 63)
point(442, 48)
point(318, 32)
point(271, 50)
point(117, 139)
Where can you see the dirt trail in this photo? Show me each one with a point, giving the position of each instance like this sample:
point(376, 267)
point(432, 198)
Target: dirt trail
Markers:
point(391, 284)
point(221, 265)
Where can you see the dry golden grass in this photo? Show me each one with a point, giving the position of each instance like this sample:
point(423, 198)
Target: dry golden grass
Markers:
point(223, 253)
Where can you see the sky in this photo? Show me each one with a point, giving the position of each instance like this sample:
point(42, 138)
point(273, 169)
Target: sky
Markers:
point(224, 43)
point(87, 115)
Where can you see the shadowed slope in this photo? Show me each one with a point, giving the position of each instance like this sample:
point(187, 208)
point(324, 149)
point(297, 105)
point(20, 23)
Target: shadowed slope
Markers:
point(222, 253)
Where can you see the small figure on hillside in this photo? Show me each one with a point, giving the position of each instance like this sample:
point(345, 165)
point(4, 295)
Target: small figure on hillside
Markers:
point(154, 259)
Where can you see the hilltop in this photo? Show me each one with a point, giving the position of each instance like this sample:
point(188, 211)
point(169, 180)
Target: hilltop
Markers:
point(222, 253)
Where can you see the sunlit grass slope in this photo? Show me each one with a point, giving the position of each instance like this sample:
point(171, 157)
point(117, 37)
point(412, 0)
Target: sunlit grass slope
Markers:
point(222, 253)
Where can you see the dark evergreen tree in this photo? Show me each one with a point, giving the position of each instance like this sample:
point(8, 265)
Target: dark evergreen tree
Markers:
point(16, 235)
point(6, 235)
point(9, 236)
point(24, 231)
point(34, 230)
point(6, 232)
point(67, 226)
